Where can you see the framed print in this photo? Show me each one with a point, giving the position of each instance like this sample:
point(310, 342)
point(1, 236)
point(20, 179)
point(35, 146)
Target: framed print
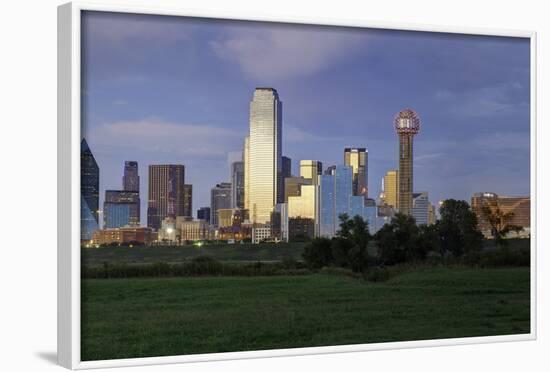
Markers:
point(235, 187)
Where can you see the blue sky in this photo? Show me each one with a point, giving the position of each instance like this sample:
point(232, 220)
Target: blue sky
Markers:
point(160, 89)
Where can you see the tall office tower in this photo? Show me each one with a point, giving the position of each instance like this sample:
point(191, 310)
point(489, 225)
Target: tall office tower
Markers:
point(390, 188)
point(265, 168)
point(120, 208)
point(335, 191)
point(330, 170)
point(358, 159)
point(407, 125)
point(246, 161)
point(166, 193)
point(305, 206)
point(311, 169)
point(130, 180)
point(89, 192)
point(187, 200)
point(421, 208)
point(220, 198)
point(203, 214)
point(237, 185)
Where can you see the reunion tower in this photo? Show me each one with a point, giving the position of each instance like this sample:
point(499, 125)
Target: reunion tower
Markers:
point(407, 125)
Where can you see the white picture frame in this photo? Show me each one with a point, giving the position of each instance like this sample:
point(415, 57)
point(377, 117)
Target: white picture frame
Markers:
point(69, 185)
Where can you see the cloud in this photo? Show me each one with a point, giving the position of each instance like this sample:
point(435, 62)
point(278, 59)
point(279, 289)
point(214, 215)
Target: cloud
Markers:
point(284, 52)
point(157, 136)
point(485, 101)
point(117, 28)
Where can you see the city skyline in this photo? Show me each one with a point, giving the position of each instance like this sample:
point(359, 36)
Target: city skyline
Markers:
point(476, 126)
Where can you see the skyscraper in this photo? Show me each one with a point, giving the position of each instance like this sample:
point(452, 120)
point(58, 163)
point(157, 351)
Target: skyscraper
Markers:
point(220, 198)
point(311, 169)
point(246, 161)
point(130, 180)
point(293, 186)
point(188, 200)
point(89, 192)
point(166, 193)
point(390, 188)
point(264, 156)
point(357, 159)
point(335, 191)
point(407, 125)
point(237, 184)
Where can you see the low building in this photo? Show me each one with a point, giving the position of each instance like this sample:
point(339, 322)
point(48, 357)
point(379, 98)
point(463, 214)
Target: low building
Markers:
point(519, 206)
point(300, 228)
point(122, 235)
point(194, 230)
point(260, 233)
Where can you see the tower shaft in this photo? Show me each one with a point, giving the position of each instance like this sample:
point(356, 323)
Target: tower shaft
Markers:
point(405, 173)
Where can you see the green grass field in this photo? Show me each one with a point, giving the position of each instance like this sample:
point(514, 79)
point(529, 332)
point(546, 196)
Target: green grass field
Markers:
point(176, 254)
point(128, 318)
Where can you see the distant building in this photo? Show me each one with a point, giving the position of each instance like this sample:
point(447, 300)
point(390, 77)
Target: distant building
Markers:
point(166, 193)
point(260, 234)
point(519, 206)
point(121, 208)
point(246, 161)
point(89, 192)
point(194, 230)
point(130, 180)
point(136, 235)
point(168, 232)
point(357, 159)
point(334, 199)
point(431, 215)
point(287, 167)
point(390, 189)
point(203, 214)
point(220, 198)
point(311, 169)
point(237, 184)
point(231, 217)
point(188, 200)
point(330, 170)
point(421, 208)
point(264, 155)
point(293, 186)
point(304, 206)
point(300, 228)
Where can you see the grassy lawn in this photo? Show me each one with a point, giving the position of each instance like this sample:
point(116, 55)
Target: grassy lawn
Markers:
point(128, 318)
point(175, 254)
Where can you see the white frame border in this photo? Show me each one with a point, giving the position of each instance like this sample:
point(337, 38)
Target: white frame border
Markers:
point(68, 297)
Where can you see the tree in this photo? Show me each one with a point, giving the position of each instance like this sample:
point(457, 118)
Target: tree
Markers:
point(458, 230)
point(428, 240)
point(318, 253)
point(397, 240)
point(498, 220)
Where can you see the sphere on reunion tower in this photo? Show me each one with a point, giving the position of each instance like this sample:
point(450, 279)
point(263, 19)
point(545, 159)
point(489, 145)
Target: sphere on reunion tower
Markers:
point(407, 122)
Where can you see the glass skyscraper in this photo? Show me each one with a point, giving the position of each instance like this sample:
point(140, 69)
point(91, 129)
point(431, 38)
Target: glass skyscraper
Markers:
point(220, 198)
point(117, 201)
point(187, 200)
point(89, 192)
point(116, 215)
point(130, 182)
point(264, 155)
point(334, 199)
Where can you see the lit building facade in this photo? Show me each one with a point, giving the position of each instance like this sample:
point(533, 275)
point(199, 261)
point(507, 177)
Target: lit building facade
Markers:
point(89, 192)
point(305, 205)
point(407, 125)
point(519, 206)
point(135, 235)
point(390, 188)
point(194, 230)
point(260, 233)
point(311, 169)
point(264, 155)
point(220, 198)
point(166, 193)
point(357, 158)
point(246, 161)
point(130, 182)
